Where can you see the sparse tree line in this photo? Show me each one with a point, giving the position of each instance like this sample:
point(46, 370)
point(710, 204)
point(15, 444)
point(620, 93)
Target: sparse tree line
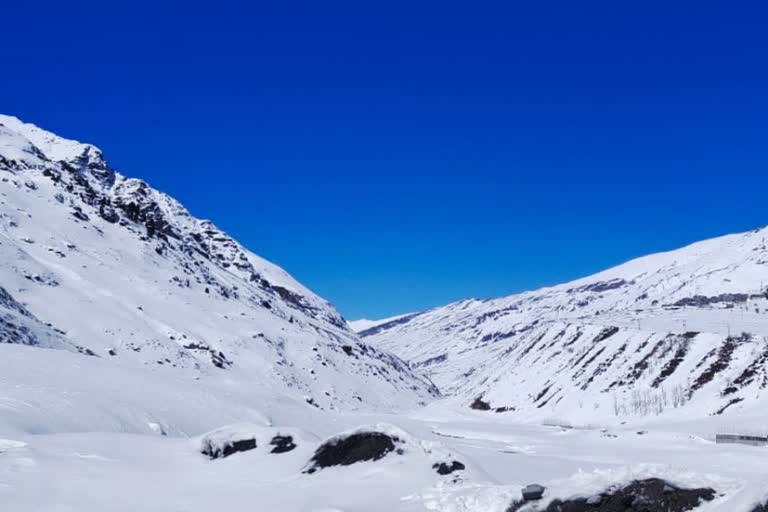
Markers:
point(651, 402)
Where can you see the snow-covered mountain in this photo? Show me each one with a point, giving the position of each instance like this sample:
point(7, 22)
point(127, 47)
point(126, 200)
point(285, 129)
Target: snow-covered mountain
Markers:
point(150, 362)
point(103, 265)
point(685, 330)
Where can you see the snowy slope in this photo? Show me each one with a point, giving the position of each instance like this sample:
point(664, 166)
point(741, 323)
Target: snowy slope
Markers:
point(97, 263)
point(133, 336)
point(682, 330)
point(365, 324)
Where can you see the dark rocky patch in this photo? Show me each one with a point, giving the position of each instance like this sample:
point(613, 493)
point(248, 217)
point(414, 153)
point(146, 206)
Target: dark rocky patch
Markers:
point(700, 301)
point(756, 369)
point(282, 444)
point(388, 325)
point(605, 334)
point(219, 451)
point(444, 468)
point(677, 359)
point(139, 206)
point(651, 495)
point(536, 340)
point(639, 368)
point(218, 358)
point(543, 392)
point(533, 492)
point(480, 405)
point(7, 300)
point(432, 360)
point(77, 213)
point(763, 507)
point(344, 451)
point(602, 286)
point(724, 357)
point(733, 401)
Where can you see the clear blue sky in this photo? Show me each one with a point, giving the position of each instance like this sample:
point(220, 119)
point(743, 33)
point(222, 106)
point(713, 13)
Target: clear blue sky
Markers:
point(409, 157)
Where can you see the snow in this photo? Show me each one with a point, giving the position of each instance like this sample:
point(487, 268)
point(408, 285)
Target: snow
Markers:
point(667, 319)
point(54, 147)
point(365, 324)
point(151, 472)
point(128, 342)
point(181, 298)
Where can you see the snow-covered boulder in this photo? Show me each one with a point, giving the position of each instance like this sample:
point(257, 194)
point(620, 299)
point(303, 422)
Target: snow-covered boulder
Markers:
point(373, 443)
point(245, 437)
point(646, 495)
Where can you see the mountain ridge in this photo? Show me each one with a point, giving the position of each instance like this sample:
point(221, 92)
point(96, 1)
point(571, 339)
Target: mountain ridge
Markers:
point(108, 266)
point(690, 320)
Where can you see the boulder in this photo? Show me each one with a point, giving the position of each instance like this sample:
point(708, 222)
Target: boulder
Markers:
point(282, 444)
point(533, 492)
point(444, 468)
point(348, 449)
point(650, 495)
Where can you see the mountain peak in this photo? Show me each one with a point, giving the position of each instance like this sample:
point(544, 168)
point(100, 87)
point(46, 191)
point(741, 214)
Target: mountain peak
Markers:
point(138, 280)
point(31, 145)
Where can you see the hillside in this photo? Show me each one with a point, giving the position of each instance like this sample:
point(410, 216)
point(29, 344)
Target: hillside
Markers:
point(685, 329)
point(105, 266)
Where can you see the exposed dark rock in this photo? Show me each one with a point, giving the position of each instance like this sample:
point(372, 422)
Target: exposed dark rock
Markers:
point(480, 405)
point(77, 213)
point(282, 444)
point(756, 370)
point(360, 447)
point(444, 468)
point(221, 450)
point(724, 357)
point(700, 301)
point(605, 334)
point(672, 365)
point(136, 202)
point(218, 358)
point(7, 300)
point(108, 214)
point(432, 360)
point(533, 492)
point(388, 325)
point(651, 495)
point(601, 286)
point(731, 402)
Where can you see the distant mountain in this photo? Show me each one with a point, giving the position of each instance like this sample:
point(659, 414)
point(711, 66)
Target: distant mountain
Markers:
point(682, 330)
point(99, 264)
point(364, 324)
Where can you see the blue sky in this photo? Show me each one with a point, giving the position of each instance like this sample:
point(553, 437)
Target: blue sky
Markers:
point(403, 158)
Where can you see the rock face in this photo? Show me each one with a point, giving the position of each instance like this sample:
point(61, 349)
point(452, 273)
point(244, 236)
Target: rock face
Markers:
point(685, 328)
point(650, 495)
point(350, 449)
point(92, 261)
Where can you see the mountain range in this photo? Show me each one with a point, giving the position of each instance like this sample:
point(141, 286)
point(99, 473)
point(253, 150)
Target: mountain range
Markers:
point(149, 361)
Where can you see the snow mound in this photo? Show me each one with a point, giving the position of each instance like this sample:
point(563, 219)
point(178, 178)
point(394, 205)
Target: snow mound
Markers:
point(245, 437)
point(372, 443)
